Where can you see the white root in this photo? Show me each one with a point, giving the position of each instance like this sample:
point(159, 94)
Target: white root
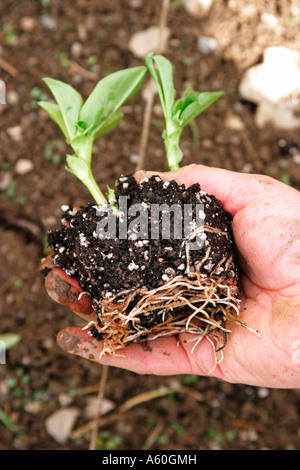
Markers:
point(199, 306)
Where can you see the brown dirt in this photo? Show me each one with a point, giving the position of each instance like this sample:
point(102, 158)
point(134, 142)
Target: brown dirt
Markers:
point(38, 375)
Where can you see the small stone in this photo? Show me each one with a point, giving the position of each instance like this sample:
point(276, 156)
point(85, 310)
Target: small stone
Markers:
point(149, 40)
point(296, 159)
point(64, 399)
point(76, 50)
point(28, 23)
point(49, 22)
point(12, 97)
point(135, 3)
point(263, 392)
point(269, 20)
point(92, 407)
point(207, 143)
point(59, 424)
point(247, 168)
point(134, 158)
point(235, 123)
point(274, 86)
point(33, 407)
point(15, 133)
point(24, 166)
point(248, 11)
point(198, 8)
point(207, 45)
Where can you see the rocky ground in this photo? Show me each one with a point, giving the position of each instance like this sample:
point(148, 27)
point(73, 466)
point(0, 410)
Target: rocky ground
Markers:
point(78, 42)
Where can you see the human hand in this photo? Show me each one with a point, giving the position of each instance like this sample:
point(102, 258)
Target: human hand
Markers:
point(266, 228)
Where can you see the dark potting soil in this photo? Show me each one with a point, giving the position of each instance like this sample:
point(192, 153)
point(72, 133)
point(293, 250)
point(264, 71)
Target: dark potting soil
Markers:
point(138, 261)
point(150, 242)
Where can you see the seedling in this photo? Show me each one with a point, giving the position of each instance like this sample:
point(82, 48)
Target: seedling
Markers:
point(82, 123)
point(177, 113)
point(143, 288)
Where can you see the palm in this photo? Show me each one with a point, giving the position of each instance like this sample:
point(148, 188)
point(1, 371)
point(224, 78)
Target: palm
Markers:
point(267, 239)
point(266, 228)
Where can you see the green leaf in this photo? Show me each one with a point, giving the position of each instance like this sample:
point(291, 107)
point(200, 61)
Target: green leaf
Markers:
point(69, 102)
point(55, 113)
point(110, 123)
point(9, 424)
point(109, 95)
point(163, 77)
point(200, 102)
point(10, 339)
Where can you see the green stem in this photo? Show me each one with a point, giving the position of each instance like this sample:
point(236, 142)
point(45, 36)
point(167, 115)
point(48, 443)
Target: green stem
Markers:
point(92, 186)
point(173, 152)
point(174, 167)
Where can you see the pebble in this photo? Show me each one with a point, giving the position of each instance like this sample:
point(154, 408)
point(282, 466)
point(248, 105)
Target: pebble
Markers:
point(269, 20)
point(76, 50)
point(28, 23)
point(263, 392)
point(59, 424)
point(64, 399)
point(15, 133)
point(92, 407)
point(148, 40)
point(198, 8)
point(207, 45)
point(24, 166)
point(33, 407)
point(248, 11)
point(274, 86)
point(235, 123)
point(135, 3)
point(49, 22)
point(12, 97)
point(296, 159)
point(134, 158)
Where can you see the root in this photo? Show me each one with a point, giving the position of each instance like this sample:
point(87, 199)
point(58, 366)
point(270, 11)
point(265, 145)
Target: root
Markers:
point(198, 304)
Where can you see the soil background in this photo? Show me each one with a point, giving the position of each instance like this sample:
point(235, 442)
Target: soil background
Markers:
point(79, 41)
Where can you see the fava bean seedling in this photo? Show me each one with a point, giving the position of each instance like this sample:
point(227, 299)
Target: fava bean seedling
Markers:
point(155, 258)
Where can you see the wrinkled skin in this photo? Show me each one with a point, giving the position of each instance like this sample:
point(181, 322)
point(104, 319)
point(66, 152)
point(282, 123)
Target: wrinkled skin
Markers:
point(266, 227)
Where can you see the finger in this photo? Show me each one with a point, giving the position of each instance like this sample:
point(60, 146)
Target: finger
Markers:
point(235, 190)
point(163, 356)
point(65, 290)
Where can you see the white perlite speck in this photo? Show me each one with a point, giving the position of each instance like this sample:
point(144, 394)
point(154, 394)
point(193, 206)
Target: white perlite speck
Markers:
point(133, 266)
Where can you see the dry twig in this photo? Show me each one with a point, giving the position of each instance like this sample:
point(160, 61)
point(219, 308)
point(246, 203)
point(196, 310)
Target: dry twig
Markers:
point(8, 67)
point(151, 89)
point(131, 403)
point(102, 384)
